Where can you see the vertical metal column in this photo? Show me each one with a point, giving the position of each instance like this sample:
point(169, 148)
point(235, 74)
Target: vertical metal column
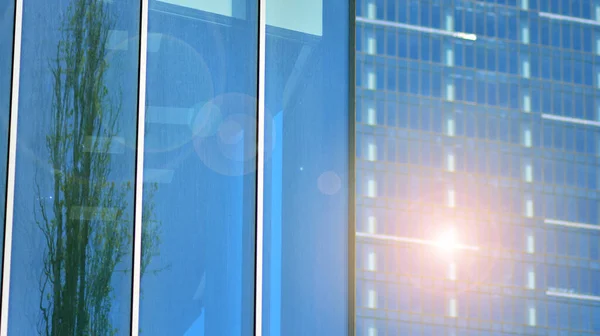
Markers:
point(260, 167)
point(12, 155)
point(139, 171)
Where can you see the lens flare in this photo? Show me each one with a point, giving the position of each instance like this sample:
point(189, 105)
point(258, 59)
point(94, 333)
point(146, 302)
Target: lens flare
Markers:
point(447, 241)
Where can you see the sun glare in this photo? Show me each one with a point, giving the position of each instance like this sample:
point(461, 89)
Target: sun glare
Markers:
point(447, 241)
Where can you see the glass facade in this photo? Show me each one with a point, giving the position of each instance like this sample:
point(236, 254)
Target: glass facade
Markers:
point(477, 144)
point(202, 147)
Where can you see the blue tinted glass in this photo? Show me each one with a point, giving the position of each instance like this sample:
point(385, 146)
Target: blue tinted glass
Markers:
point(534, 30)
point(512, 26)
point(425, 48)
point(402, 80)
point(545, 32)
point(402, 12)
point(402, 45)
point(469, 55)
point(6, 53)
point(391, 78)
point(469, 22)
point(480, 22)
point(436, 19)
point(306, 194)
point(470, 92)
point(75, 168)
point(480, 57)
point(390, 42)
point(424, 10)
point(577, 42)
point(198, 130)
point(380, 7)
point(458, 20)
point(413, 12)
point(413, 40)
point(555, 33)
point(587, 38)
point(425, 82)
point(502, 18)
point(414, 81)
point(566, 36)
point(459, 54)
point(491, 59)
point(436, 49)
point(390, 11)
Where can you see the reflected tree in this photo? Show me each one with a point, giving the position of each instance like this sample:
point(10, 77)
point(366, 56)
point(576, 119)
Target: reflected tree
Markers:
point(87, 221)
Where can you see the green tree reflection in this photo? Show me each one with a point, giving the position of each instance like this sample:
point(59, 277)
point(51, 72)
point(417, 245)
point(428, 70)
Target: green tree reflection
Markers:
point(87, 226)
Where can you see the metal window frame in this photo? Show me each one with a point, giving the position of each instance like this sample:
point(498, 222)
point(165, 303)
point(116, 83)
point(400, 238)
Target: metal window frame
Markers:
point(352, 168)
point(139, 172)
point(260, 168)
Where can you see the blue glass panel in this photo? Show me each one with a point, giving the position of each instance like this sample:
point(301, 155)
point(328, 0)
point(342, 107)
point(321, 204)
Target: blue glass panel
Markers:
point(380, 8)
point(402, 45)
point(469, 22)
point(479, 22)
point(413, 12)
point(390, 47)
point(391, 78)
point(425, 48)
point(402, 12)
point(198, 165)
point(502, 18)
point(587, 38)
point(413, 41)
point(459, 55)
point(577, 42)
point(436, 49)
point(436, 18)
point(566, 35)
point(424, 9)
point(6, 53)
point(75, 168)
point(390, 11)
point(545, 32)
point(306, 194)
point(534, 30)
point(459, 20)
point(469, 55)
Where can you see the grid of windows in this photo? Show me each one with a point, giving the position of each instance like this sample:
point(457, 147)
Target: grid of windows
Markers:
point(482, 116)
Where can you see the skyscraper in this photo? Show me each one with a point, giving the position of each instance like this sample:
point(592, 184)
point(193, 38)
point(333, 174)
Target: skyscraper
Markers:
point(477, 145)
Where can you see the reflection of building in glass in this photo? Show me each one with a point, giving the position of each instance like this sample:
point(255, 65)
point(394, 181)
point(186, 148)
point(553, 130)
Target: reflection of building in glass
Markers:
point(482, 118)
point(166, 156)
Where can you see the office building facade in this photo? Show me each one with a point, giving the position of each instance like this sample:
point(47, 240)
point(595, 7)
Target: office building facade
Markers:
point(478, 167)
point(174, 167)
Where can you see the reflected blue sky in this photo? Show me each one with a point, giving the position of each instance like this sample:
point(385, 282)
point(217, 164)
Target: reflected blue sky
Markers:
point(200, 169)
point(306, 193)
point(6, 55)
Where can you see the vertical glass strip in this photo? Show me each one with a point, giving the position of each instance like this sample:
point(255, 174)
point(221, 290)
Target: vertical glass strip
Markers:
point(71, 262)
point(200, 166)
point(10, 59)
point(306, 196)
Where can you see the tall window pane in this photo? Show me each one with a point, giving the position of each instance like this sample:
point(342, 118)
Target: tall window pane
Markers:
point(7, 9)
point(200, 168)
point(306, 170)
point(75, 167)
